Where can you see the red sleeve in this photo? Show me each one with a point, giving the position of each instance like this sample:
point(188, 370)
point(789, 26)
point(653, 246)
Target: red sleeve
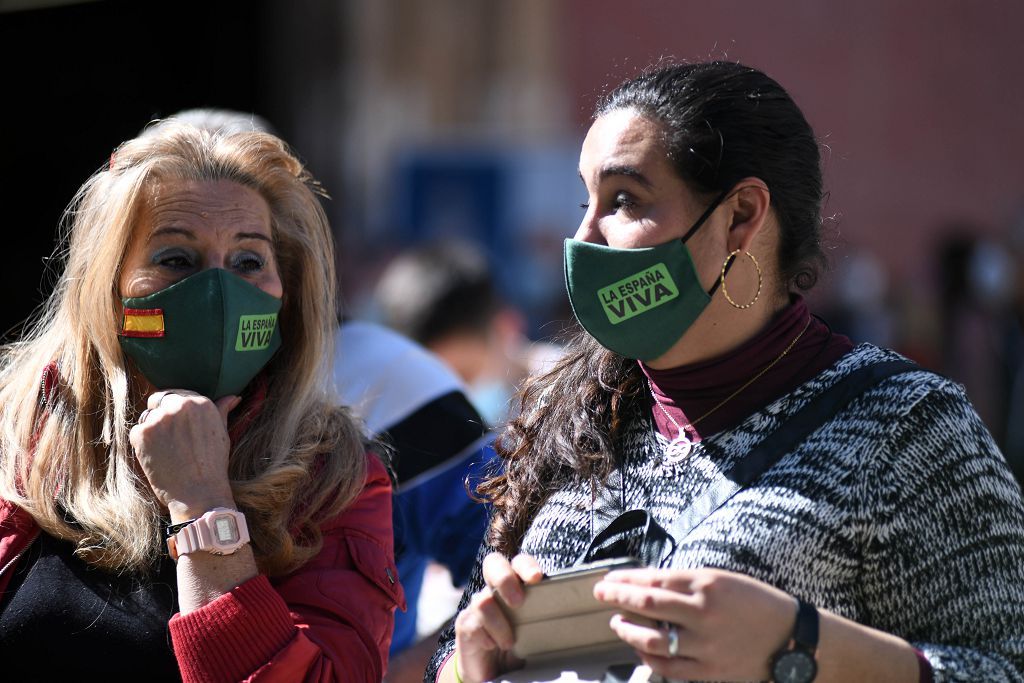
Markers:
point(331, 620)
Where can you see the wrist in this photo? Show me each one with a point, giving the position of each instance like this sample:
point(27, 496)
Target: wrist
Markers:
point(193, 506)
point(796, 660)
point(455, 670)
point(455, 667)
point(849, 651)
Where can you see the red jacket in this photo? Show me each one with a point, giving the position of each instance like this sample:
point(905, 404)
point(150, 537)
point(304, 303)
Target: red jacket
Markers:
point(330, 620)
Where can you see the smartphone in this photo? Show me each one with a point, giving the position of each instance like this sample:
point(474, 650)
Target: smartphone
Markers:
point(561, 612)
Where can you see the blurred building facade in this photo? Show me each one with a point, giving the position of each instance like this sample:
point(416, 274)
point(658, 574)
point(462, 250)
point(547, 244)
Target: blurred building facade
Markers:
point(459, 118)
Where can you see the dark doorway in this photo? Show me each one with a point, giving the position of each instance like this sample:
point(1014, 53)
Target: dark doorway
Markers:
point(79, 79)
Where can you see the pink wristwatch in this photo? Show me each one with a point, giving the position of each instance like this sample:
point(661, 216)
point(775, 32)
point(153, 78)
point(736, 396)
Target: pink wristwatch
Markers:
point(221, 531)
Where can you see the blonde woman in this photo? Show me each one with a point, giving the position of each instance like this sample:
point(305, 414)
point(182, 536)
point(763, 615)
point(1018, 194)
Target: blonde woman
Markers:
point(180, 497)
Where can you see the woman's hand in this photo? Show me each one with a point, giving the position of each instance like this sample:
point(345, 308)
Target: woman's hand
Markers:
point(182, 444)
point(728, 625)
point(483, 636)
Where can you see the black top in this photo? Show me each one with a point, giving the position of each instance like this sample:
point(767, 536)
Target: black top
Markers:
point(61, 619)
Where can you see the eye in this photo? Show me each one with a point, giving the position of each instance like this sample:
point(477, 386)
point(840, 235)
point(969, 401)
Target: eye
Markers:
point(623, 200)
point(585, 206)
point(247, 262)
point(174, 258)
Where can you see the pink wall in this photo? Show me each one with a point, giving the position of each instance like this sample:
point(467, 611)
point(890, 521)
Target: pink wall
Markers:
point(921, 103)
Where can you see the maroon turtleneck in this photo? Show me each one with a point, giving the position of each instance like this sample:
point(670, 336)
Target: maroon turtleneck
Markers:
point(688, 392)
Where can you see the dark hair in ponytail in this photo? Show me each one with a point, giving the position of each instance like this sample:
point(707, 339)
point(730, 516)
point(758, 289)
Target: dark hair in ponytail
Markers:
point(722, 122)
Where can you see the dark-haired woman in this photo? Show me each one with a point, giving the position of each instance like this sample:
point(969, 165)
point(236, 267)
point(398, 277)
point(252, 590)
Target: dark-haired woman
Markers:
point(885, 543)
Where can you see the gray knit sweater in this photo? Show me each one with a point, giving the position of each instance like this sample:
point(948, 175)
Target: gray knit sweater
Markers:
point(900, 513)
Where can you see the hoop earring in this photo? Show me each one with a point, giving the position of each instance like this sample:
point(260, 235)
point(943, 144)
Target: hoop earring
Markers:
point(760, 280)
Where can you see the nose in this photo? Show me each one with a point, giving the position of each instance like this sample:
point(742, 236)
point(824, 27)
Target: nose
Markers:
point(216, 257)
point(590, 229)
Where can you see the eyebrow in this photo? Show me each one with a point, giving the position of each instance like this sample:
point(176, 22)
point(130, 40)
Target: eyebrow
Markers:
point(188, 234)
point(631, 172)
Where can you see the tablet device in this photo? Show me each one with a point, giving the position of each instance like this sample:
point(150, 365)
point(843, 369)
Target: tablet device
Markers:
point(561, 612)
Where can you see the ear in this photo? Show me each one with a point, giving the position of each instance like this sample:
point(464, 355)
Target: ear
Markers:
point(750, 202)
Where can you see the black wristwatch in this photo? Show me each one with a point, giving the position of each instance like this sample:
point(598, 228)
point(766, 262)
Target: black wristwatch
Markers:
point(795, 662)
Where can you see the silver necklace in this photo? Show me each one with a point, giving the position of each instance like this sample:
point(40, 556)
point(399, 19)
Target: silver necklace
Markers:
point(679, 448)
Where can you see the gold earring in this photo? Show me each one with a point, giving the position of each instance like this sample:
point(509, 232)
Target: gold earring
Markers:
point(760, 281)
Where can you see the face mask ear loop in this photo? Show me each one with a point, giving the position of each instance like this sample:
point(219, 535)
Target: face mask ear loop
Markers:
point(700, 221)
point(718, 281)
point(704, 216)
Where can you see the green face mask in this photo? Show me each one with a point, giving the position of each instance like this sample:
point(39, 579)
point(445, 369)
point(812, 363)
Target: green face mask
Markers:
point(636, 302)
point(211, 333)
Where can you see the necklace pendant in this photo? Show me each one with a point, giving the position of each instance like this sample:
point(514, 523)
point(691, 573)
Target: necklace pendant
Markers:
point(678, 449)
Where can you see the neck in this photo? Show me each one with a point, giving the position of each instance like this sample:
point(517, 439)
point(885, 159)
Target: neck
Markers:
point(719, 393)
point(720, 329)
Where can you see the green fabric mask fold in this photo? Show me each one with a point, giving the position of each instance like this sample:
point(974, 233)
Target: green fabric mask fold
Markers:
point(210, 333)
point(635, 302)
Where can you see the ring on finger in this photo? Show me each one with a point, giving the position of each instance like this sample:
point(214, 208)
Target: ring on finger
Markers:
point(143, 415)
point(673, 640)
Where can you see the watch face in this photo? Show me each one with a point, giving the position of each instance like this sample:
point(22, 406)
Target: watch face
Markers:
point(795, 666)
point(225, 529)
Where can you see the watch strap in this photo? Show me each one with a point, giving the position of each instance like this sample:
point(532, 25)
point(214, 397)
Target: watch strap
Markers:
point(805, 631)
point(171, 529)
point(796, 661)
point(192, 538)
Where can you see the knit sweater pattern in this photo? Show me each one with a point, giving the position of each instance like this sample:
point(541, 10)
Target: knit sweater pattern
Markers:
point(898, 513)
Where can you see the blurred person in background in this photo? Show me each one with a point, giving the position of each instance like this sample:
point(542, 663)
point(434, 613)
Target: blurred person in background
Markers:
point(860, 304)
point(443, 295)
point(1015, 400)
point(415, 405)
point(180, 496)
point(982, 342)
point(809, 509)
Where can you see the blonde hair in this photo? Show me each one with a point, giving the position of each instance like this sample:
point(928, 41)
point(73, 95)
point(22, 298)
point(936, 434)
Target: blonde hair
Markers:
point(299, 462)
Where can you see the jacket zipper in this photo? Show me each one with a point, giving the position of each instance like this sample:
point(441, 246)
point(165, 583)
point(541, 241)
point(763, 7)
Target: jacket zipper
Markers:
point(43, 400)
point(14, 560)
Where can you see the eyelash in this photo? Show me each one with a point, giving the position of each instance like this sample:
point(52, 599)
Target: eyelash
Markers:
point(247, 262)
point(166, 257)
point(248, 257)
point(623, 200)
